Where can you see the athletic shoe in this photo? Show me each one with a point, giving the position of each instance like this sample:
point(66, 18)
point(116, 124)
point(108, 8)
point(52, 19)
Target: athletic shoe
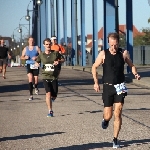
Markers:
point(50, 114)
point(115, 143)
point(52, 99)
point(105, 124)
point(4, 77)
point(30, 98)
point(59, 83)
point(36, 91)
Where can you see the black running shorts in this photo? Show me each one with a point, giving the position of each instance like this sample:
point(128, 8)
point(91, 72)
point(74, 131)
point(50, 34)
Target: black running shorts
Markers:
point(110, 95)
point(59, 66)
point(3, 62)
point(35, 72)
point(51, 86)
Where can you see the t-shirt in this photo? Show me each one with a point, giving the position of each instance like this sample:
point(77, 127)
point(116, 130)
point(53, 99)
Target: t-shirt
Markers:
point(49, 71)
point(58, 48)
point(3, 52)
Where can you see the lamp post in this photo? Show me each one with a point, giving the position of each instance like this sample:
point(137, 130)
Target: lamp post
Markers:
point(27, 17)
point(39, 2)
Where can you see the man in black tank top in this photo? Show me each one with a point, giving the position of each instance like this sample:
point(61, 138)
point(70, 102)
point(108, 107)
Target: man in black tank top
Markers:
point(4, 55)
point(114, 89)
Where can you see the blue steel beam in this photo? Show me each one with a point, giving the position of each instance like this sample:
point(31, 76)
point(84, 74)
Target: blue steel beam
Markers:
point(58, 20)
point(39, 26)
point(74, 31)
point(95, 31)
point(129, 30)
point(65, 20)
point(109, 20)
point(83, 51)
point(52, 18)
point(43, 24)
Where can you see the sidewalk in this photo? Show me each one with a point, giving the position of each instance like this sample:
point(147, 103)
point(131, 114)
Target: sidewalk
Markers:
point(144, 72)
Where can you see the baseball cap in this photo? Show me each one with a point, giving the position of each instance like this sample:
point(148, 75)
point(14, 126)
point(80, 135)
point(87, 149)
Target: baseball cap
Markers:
point(53, 38)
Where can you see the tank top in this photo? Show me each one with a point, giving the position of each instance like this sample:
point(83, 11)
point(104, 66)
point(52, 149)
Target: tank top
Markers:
point(31, 53)
point(113, 67)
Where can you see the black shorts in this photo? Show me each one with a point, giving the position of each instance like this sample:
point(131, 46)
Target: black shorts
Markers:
point(59, 66)
point(110, 95)
point(35, 72)
point(51, 86)
point(3, 61)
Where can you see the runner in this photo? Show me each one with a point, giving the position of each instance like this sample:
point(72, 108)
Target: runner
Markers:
point(50, 72)
point(114, 89)
point(4, 55)
point(30, 54)
point(59, 48)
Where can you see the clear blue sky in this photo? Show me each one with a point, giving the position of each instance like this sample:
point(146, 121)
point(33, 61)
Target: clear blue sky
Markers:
point(11, 11)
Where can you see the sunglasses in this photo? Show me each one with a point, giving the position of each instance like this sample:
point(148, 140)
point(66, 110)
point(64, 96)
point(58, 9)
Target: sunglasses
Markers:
point(48, 44)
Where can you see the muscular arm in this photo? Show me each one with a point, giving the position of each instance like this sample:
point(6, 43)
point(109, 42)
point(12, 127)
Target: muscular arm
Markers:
point(23, 54)
point(129, 62)
point(98, 62)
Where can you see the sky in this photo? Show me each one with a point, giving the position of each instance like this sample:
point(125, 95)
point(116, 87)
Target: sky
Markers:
point(13, 12)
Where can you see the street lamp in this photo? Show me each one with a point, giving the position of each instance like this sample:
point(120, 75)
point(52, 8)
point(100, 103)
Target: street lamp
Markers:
point(39, 2)
point(27, 17)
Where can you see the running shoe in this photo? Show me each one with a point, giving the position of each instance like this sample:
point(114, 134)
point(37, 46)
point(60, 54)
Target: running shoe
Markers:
point(4, 77)
point(36, 91)
point(115, 143)
point(52, 99)
point(105, 124)
point(30, 98)
point(59, 83)
point(50, 114)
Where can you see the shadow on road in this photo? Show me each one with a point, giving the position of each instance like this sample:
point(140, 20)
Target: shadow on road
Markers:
point(27, 136)
point(102, 145)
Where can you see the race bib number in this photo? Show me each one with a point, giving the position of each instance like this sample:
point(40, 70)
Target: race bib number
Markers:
point(121, 88)
point(49, 67)
point(33, 66)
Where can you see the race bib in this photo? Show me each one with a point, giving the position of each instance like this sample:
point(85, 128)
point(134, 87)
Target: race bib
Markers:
point(33, 66)
point(49, 67)
point(121, 88)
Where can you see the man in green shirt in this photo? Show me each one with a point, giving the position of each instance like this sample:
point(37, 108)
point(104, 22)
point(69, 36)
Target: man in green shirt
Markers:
point(50, 72)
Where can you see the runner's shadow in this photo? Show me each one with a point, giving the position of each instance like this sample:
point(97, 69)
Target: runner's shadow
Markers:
point(27, 136)
point(85, 146)
point(19, 87)
point(137, 142)
point(103, 145)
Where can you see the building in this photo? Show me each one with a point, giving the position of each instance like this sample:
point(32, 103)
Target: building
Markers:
point(122, 30)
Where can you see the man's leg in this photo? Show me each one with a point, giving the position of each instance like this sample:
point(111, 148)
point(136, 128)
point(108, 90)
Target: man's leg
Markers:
point(1, 66)
point(49, 104)
point(4, 70)
point(36, 85)
point(48, 86)
point(117, 118)
point(108, 112)
point(117, 123)
point(54, 90)
point(30, 79)
point(35, 80)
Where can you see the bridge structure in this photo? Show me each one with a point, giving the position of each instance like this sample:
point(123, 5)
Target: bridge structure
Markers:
point(46, 23)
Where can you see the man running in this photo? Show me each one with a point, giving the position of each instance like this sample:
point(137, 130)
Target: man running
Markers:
point(59, 48)
point(4, 55)
point(30, 54)
point(50, 61)
point(114, 89)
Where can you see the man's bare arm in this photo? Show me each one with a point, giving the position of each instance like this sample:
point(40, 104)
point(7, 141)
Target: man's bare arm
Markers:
point(23, 54)
point(98, 62)
point(130, 64)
